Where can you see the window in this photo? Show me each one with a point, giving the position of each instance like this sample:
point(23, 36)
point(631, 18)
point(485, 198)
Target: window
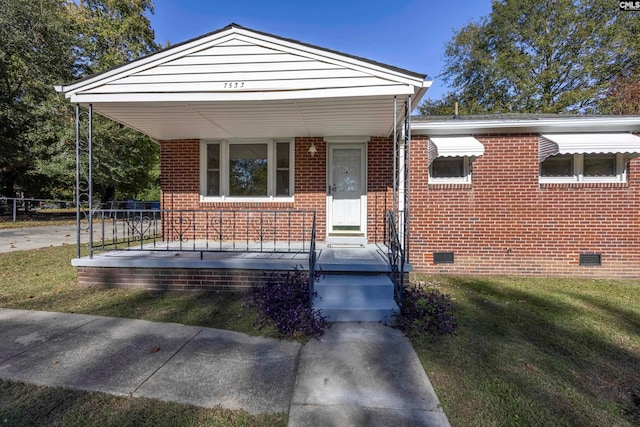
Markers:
point(583, 168)
point(247, 170)
point(557, 166)
point(283, 170)
point(450, 170)
point(599, 165)
point(213, 170)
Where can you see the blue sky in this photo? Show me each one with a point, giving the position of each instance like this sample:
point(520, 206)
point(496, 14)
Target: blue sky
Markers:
point(404, 33)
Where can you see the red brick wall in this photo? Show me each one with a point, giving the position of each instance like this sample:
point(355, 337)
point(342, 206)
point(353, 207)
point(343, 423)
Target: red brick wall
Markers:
point(379, 185)
point(180, 183)
point(505, 222)
point(176, 279)
point(180, 174)
point(311, 180)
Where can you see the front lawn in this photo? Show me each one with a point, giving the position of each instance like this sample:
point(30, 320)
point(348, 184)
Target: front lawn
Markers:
point(31, 405)
point(529, 351)
point(538, 351)
point(43, 279)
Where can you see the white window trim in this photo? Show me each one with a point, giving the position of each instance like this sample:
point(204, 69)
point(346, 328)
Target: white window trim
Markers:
point(578, 168)
point(224, 171)
point(466, 179)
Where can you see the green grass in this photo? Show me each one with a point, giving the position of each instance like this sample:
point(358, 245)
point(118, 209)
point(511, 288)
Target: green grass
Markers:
point(529, 351)
point(38, 218)
point(35, 223)
point(43, 279)
point(538, 351)
point(30, 405)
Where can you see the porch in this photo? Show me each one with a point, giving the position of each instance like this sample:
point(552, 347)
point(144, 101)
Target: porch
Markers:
point(368, 258)
point(230, 250)
point(248, 120)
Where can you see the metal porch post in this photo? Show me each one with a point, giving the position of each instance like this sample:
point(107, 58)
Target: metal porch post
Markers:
point(395, 155)
point(78, 200)
point(84, 176)
point(407, 209)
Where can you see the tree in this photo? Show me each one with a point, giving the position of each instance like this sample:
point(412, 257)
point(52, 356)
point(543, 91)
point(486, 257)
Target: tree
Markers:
point(542, 56)
point(446, 106)
point(112, 32)
point(109, 33)
point(623, 96)
point(35, 53)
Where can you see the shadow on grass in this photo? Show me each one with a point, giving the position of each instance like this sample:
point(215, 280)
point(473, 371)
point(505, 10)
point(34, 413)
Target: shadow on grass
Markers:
point(30, 405)
point(533, 356)
point(207, 309)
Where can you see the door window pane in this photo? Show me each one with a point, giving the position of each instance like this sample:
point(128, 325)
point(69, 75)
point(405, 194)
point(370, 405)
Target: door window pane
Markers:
point(248, 169)
point(346, 170)
point(447, 167)
point(560, 165)
point(599, 165)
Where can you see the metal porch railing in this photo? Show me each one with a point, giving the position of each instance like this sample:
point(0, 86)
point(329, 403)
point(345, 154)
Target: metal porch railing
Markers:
point(395, 251)
point(312, 260)
point(201, 231)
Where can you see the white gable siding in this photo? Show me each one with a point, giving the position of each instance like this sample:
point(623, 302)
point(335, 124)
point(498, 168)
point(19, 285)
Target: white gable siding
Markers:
point(238, 66)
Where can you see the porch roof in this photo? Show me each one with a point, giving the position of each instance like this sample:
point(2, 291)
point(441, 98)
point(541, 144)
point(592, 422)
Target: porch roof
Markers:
point(241, 83)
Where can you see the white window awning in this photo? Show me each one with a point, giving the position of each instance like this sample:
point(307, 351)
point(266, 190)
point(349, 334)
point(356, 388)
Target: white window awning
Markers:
point(454, 146)
point(588, 143)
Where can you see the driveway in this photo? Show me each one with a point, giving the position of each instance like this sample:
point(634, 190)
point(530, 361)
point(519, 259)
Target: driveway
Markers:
point(22, 239)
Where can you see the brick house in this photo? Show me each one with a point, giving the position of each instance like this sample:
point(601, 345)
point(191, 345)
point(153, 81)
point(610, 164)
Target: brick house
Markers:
point(255, 130)
point(540, 195)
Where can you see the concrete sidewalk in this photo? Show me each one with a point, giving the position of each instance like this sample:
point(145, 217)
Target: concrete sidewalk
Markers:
point(356, 374)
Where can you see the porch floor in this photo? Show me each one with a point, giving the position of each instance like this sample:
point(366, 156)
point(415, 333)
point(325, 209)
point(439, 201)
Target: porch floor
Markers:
point(370, 258)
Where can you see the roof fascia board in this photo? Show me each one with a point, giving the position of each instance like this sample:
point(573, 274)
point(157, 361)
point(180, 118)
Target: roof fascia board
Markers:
point(390, 90)
point(548, 125)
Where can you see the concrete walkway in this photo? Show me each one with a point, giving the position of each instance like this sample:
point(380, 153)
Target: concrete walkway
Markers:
point(356, 374)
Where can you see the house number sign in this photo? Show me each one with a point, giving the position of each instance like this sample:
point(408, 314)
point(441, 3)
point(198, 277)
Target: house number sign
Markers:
point(233, 85)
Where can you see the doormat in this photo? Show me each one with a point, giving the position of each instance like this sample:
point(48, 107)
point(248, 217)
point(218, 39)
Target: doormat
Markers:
point(344, 245)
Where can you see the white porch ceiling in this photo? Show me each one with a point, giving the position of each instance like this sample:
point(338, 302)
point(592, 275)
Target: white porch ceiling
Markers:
point(263, 119)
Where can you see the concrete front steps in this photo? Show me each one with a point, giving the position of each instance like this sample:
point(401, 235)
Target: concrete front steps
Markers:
point(355, 297)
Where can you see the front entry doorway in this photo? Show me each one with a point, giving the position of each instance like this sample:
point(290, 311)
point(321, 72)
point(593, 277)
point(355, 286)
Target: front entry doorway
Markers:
point(347, 190)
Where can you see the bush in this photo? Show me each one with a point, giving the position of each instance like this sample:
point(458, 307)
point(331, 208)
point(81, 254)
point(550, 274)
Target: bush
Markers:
point(284, 302)
point(426, 311)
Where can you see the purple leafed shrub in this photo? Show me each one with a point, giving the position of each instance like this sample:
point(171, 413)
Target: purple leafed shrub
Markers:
point(284, 302)
point(426, 311)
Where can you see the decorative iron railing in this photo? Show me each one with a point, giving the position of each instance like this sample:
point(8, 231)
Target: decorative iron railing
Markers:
point(395, 251)
point(202, 231)
point(312, 260)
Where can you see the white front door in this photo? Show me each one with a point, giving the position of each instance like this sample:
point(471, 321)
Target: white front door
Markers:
point(347, 189)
